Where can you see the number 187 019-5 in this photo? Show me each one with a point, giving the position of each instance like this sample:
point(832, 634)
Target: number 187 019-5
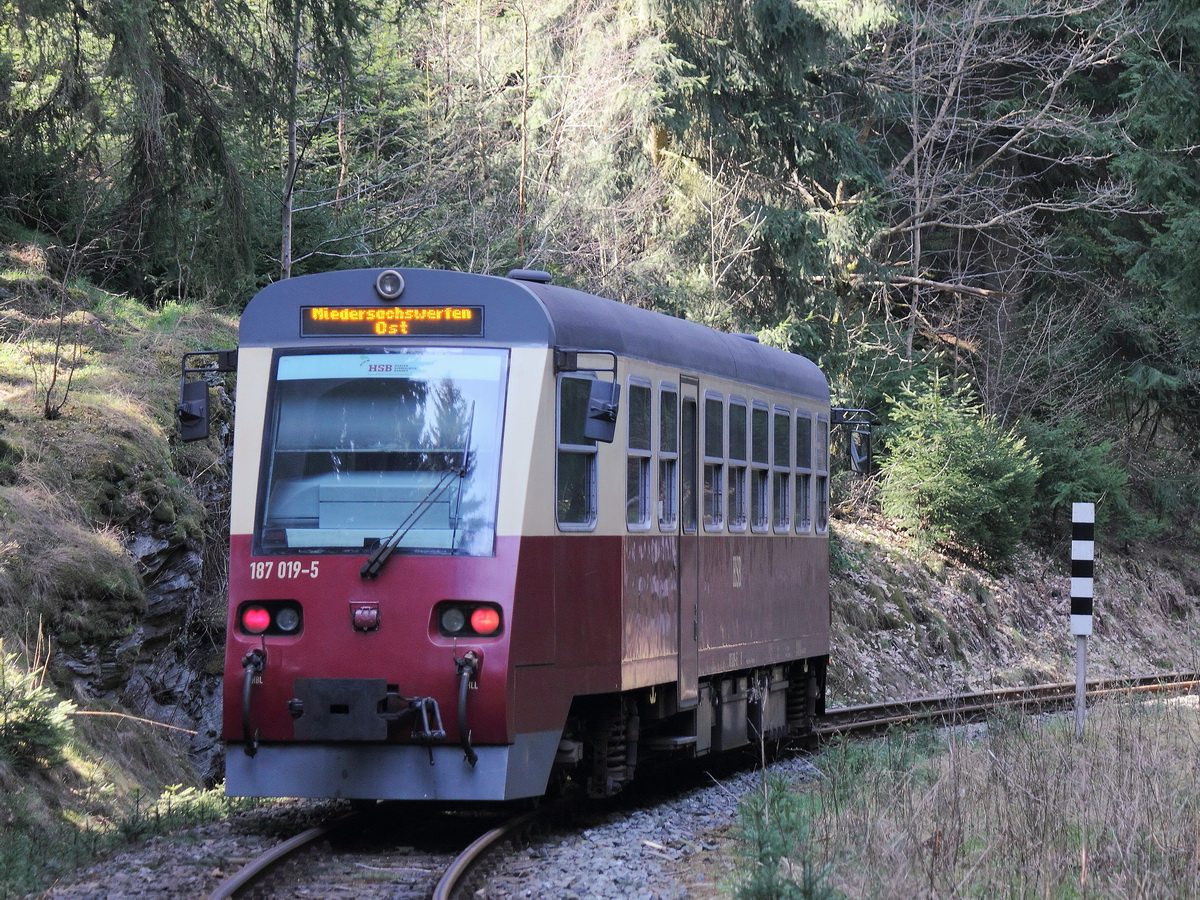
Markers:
point(287, 568)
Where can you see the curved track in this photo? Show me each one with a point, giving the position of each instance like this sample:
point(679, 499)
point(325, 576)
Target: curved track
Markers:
point(456, 873)
point(259, 866)
point(260, 873)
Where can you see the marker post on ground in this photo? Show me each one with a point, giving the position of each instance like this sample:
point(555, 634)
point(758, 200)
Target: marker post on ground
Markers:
point(1083, 556)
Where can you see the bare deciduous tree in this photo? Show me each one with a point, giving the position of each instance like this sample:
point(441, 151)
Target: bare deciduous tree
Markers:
point(987, 141)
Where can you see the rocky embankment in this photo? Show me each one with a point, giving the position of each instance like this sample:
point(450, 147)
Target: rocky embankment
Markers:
point(907, 624)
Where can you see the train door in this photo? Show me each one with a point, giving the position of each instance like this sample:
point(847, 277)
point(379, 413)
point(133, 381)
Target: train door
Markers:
point(689, 543)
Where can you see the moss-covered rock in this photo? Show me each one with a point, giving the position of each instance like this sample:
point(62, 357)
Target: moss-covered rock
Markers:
point(103, 514)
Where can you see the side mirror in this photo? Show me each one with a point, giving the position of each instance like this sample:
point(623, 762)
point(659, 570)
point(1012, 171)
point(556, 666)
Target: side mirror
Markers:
point(192, 411)
point(860, 450)
point(859, 421)
point(604, 400)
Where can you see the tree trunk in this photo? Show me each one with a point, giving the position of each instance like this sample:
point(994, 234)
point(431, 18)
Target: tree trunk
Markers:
point(289, 178)
point(524, 141)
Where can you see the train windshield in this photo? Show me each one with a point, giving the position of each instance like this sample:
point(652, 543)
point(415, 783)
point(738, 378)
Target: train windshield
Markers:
point(371, 446)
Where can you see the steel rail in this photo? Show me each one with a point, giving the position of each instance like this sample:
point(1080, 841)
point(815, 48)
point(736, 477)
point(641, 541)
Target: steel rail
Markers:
point(449, 882)
point(260, 864)
point(456, 872)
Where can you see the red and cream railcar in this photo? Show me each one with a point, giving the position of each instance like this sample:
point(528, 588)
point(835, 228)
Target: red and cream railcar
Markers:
point(490, 531)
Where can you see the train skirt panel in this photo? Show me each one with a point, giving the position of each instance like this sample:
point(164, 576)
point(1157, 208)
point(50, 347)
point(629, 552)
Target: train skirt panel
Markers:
point(393, 772)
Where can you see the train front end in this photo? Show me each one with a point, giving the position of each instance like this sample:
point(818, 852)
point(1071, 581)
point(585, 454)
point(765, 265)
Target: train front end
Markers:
point(375, 539)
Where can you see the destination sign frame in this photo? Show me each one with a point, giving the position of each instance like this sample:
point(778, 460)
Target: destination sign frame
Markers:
point(391, 321)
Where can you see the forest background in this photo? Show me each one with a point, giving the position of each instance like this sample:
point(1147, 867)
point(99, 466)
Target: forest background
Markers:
point(980, 218)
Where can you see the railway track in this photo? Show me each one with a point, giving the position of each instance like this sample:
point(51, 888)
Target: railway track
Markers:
point(973, 707)
point(425, 872)
point(249, 881)
point(250, 873)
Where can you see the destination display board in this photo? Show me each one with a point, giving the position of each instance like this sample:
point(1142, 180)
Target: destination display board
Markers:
point(391, 321)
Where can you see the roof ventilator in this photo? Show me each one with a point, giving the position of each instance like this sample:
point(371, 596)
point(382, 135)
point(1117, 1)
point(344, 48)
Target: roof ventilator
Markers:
point(536, 275)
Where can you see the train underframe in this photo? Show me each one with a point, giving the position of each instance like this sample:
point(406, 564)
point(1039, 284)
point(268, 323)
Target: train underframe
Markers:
point(607, 737)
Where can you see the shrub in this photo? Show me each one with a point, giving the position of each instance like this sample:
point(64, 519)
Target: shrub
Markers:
point(1077, 466)
point(773, 837)
point(34, 725)
point(954, 477)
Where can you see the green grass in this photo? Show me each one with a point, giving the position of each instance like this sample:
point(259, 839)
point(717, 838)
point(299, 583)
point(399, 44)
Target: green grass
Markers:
point(61, 801)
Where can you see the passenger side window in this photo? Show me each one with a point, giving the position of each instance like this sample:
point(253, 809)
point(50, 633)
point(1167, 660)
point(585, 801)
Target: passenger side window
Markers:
point(637, 461)
point(760, 449)
point(738, 434)
point(575, 499)
point(804, 471)
point(782, 469)
point(714, 462)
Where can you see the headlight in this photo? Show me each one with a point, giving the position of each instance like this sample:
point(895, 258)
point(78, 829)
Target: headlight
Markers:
point(453, 620)
point(389, 285)
point(288, 619)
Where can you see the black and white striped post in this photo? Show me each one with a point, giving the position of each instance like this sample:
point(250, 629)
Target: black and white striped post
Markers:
point(1083, 593)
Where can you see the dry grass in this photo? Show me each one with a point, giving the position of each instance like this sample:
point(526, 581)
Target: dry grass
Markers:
point(1023, 811)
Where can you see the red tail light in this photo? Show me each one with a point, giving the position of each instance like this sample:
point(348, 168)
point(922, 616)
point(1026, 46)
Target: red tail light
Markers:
point(255, 619)
point(485, 620)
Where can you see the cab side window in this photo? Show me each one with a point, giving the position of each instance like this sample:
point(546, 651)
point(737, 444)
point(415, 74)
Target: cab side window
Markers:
point(575, 496)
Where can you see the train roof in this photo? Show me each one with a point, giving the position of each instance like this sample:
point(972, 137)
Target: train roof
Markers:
point(524, 312)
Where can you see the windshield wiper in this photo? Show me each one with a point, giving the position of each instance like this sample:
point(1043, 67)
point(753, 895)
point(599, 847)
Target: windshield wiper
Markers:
point(384, 548)
point(462, 472)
